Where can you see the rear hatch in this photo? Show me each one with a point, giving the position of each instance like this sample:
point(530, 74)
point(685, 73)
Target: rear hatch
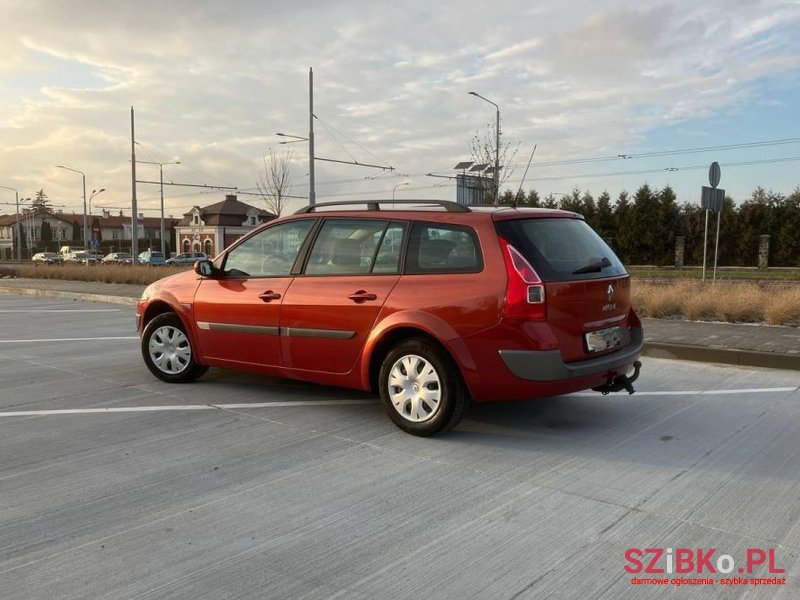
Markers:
point(586, 287)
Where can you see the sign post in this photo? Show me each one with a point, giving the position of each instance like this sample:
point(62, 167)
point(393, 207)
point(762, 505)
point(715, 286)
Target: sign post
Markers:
point(712, 199)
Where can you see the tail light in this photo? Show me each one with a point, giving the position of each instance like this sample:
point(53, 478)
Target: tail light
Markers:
point(525, 296)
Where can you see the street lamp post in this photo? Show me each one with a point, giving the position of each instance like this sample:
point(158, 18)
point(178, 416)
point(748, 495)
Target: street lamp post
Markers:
point(28, 229)
point(85, 229)
point(17, 239)
point(496, 148)
point(394, 189)
point(94, 193)
point(161, 182)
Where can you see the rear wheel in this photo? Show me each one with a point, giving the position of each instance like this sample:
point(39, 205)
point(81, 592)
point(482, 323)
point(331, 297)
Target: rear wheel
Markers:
point(421, 389)
point(167, 350)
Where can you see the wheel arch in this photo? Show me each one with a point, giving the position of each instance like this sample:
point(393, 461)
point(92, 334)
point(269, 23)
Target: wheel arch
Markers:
point(387, 341)
point(456, 351)
point(160, 307)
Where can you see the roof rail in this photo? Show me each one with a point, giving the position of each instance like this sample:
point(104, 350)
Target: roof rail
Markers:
point(375, 205)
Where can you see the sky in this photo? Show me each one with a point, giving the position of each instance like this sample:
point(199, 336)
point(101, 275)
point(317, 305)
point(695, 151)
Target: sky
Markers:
point(213, 82)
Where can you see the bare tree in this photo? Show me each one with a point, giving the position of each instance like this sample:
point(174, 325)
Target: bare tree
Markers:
point(482, 149)
point(275, 182)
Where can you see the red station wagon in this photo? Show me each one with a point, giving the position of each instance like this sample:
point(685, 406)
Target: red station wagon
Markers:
point(432, 305)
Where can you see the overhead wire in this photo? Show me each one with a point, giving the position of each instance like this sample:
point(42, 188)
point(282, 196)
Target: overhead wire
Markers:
point(657, 153)
point(663, 170)
point(585, 160)
point(332, 129)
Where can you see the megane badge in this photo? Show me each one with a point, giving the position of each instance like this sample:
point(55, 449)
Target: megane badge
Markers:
point(611, 305)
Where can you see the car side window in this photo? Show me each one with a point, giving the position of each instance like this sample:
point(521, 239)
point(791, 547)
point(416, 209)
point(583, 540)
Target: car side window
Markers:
point(269, 253)
point(346, 247)
point(387, 260)
point(443, 248)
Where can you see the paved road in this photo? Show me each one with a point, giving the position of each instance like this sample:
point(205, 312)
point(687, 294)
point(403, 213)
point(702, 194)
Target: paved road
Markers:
point(241, 486)
point(727, 343)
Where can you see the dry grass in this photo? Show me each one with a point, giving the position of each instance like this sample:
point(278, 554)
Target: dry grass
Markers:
point(684, 299)
point(139, 275)
point(660, 301)
point(734, 303)
point(783, 307)
point(745, 304)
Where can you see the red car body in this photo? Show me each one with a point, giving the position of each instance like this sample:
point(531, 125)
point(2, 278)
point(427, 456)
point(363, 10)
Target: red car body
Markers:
point(336, 329)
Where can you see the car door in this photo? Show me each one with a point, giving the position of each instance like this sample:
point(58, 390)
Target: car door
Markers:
point(330, 308)
point(237, 312)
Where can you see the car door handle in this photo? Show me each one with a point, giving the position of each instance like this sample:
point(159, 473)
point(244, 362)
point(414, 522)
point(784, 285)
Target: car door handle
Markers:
point(269, 296)
point(362, 296)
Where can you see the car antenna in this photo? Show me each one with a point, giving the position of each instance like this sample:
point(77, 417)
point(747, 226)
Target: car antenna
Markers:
point(519, 191)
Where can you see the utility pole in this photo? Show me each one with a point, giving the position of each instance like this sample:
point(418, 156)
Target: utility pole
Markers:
point(135, 215)
point(85, 219)
point(161, 184)
point(17, 238)
point(312, 158)
point(312, 192)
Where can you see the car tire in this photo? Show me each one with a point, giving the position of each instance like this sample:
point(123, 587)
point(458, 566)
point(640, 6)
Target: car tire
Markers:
point(167, 350)
point(421, 388)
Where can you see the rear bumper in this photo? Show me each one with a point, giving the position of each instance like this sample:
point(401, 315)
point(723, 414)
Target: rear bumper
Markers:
point(547, 365)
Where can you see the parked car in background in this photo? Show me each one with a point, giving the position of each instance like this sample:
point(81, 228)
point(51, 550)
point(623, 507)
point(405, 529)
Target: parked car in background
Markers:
point(47, 258)
point(79, 258)
point(187, 258)
point(117, 258)
point(152, 258)
point(431, 309)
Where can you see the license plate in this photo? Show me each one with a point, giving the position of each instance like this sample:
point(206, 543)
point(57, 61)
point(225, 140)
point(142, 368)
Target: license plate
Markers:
point(606, 339)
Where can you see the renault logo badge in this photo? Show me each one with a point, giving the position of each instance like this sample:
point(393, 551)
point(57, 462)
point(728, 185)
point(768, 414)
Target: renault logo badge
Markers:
point(610, 292)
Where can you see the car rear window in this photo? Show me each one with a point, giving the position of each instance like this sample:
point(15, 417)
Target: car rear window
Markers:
point(562, 249)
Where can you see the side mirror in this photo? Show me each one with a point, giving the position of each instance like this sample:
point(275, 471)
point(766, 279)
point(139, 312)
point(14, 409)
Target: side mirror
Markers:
point(204, 268)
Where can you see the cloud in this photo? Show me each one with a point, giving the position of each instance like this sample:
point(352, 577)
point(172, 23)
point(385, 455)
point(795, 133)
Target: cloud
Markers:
point(212, 82)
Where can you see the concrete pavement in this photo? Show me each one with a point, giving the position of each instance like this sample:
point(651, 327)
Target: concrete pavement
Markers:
point(116, 485)
point(726, 343)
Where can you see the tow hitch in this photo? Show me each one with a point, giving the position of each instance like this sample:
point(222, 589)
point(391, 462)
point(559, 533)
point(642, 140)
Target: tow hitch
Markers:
point(621, 382)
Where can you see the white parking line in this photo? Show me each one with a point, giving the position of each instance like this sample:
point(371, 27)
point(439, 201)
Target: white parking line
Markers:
point(703, 392)
point(246, 405)
point(89, 339)
point(58, 310)
point(135, 409)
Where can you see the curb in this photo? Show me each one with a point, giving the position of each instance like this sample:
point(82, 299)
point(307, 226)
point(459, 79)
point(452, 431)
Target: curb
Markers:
point(744, 358)
point(70, 295)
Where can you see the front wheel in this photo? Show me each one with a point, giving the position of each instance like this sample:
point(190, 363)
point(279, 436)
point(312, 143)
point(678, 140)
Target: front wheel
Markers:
point(167, 350)
point(421, 389)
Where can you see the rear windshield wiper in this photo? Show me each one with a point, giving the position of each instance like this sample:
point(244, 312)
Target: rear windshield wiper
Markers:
point(594, 267)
